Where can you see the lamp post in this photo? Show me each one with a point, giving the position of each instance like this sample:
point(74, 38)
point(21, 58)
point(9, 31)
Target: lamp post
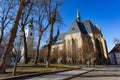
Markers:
point(18, 53)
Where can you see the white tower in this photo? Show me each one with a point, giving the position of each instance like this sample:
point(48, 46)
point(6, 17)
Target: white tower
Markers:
point(29, 32)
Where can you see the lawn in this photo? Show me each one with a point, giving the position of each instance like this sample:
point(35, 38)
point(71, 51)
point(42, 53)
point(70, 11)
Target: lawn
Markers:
point(40, 68)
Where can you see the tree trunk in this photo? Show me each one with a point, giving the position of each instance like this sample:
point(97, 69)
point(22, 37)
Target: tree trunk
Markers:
point(2, 33)
point(52, 21)
point(38, 46)
point(9, 48)
point(49, 46)
point(16, 60)
point(25, 48)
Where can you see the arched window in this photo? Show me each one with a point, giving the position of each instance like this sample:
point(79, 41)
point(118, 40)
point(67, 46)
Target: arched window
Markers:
point(69, 48)
point(76, 44)
point(31, 34)
point(73, 45)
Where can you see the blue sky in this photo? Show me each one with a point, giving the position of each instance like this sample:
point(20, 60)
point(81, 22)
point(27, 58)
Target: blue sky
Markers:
point(105, 13)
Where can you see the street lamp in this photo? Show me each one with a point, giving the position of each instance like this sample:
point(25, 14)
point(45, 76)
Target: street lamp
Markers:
point(18, 53)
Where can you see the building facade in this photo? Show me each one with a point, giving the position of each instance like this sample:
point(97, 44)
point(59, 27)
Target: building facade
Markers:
point(114, 55)
point(83, 42)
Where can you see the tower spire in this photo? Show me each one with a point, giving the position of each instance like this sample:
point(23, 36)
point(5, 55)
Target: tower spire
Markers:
point(58, 31)
point(78, 16)
point(30, 24)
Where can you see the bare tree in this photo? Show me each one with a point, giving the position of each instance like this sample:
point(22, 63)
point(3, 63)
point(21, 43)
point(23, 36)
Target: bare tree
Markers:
point(5, 39)
point(23, 22)
point(6, 15)
point(63, 53)
point(116, 41)
point(52, 21)
point(47, 11)
point(43, 51)
point(54, 55)
point(5, 57)
point(41, 18)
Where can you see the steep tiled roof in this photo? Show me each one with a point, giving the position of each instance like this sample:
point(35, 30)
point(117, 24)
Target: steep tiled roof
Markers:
point(115, 49)
point(90, 27)
point(85, 28)
point(73, 28)
point(61, 36)
point(54, 39)
point(82, 28)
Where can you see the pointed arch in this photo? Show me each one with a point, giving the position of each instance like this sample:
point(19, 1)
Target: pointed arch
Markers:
point(99, 50)
point(76, 43)
point(69, 48)
point(73, 51)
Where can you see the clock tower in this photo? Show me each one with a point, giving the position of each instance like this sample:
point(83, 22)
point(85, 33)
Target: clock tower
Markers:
point(29, 32)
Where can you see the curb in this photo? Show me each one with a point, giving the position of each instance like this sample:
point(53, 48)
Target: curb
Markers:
point(19, 77)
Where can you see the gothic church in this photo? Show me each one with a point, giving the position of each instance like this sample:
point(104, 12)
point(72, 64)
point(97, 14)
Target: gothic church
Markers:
point(81, 43)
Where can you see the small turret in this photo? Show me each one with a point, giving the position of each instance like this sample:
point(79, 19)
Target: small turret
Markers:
point(30, 24)
point(58, 31)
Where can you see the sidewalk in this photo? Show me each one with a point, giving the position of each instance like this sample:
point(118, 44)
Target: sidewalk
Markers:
point(61, 75)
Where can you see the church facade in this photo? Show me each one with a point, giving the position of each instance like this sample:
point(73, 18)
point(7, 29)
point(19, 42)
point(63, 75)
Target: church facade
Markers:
point(82, 43)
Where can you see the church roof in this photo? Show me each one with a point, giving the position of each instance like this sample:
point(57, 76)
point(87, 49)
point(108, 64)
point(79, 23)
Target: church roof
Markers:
point(58, 38)
point(54, 39)
point(90, 27)
point(115, 49)
point(74, 27)
point(61, 36)
point(85, 28)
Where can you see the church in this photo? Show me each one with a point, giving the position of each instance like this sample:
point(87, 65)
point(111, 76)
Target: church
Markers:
point(83, 43)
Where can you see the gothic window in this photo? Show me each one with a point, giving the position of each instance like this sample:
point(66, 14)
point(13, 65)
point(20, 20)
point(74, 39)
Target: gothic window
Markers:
point(73, 46)
point(74, 55)
point(69, 48)
point(76, 43)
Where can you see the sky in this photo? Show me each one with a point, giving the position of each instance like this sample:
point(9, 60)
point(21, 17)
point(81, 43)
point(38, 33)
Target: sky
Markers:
point(104, 13)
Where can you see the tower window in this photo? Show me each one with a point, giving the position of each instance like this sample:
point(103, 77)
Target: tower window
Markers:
point(31, 34)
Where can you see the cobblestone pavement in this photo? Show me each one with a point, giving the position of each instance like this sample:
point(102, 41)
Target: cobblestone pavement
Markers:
point(61, 75)
point(101, 73)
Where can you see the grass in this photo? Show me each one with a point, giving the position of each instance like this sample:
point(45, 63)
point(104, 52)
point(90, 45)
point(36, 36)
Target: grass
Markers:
point(40, 68)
